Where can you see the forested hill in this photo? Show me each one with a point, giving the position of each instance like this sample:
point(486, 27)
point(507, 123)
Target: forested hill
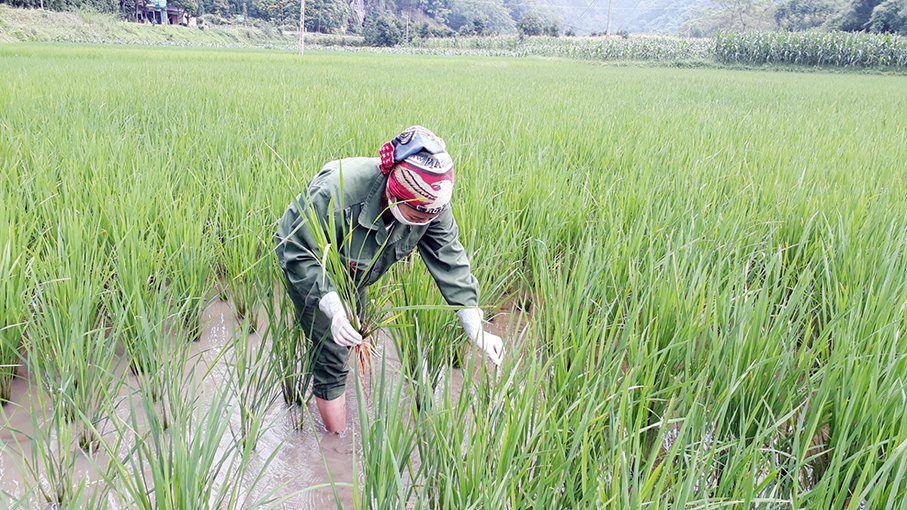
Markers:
point(393, 22)
point(636, 16)
point(432, 18)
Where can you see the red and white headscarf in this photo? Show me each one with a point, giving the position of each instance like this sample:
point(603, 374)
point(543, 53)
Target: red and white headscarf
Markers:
point(419, 169)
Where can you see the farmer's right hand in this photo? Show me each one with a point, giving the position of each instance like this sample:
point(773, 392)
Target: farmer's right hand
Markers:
point(344, 333)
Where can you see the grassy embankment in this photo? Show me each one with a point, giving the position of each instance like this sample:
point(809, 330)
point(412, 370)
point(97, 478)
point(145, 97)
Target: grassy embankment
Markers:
point(713, 265)
point(34, 25)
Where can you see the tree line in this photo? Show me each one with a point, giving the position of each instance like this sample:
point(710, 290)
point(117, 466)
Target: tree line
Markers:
point(874, 16)
point(382, 22)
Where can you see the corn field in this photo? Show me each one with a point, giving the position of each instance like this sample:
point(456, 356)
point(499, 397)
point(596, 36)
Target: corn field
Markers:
point(700, 275)
point(837, 49)
point(638, 48)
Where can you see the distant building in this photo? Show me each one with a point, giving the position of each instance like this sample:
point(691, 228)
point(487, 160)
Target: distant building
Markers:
point(160, 13)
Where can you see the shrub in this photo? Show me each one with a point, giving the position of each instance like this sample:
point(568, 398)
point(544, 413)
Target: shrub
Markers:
point(530, 25)
point(443, 31)
point(383, 30)
point(327, 16)
point(889, 17)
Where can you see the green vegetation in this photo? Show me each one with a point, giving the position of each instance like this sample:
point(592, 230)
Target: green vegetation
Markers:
point(13, 281)
point(838, 49)
point(646, 48)
point(440, 17)
point(704, 273)
point(36, 25)
point(876, 16)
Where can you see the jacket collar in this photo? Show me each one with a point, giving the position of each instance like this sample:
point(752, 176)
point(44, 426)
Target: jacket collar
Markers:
point(370, 215)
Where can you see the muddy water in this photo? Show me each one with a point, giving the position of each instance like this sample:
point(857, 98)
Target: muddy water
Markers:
point(307, 455)
point(298, 465)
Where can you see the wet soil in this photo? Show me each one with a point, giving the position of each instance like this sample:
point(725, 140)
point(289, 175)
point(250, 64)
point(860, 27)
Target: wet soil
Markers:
point(308, 457)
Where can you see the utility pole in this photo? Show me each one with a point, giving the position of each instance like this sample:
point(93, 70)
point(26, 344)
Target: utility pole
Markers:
point(610, 8)
point(406, 37)
point(301, 26)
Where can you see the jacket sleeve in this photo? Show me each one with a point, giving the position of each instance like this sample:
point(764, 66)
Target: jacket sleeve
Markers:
point(446, 260)
point(297, 251)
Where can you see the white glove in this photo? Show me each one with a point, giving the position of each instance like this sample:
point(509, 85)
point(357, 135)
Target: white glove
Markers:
point(344, 333)
point(471, 319)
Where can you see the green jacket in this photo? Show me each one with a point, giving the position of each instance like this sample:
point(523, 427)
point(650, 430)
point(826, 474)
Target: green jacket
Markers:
point(363, 184)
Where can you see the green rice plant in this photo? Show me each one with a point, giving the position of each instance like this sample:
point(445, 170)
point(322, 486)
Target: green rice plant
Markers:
point(858, 379)
point(244, 250)
point(427, 335)
point(136, 221)
point(11, 502)
point(52, 464)
point(52, 457)
point(506, 442)
point(12, 294)
point(183, 461)
point(493, 243)
point(252, 375)
point(71, 347)
point(15, 264)
point(140, 298)
point(95, 384)
point(188, 254)
point(650, 48)
point(706, 266)
point(49, 463)
point(289, 344)
point(145, 339)
point(388, 444)
point(243, 284)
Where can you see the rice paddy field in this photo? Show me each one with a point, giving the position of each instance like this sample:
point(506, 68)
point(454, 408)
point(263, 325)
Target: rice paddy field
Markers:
point(700, 275)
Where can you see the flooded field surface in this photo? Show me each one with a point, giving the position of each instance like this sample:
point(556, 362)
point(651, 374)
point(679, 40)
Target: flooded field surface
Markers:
point(308, 458)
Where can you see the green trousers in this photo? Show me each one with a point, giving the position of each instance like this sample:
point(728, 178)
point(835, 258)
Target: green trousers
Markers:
point(328, 362)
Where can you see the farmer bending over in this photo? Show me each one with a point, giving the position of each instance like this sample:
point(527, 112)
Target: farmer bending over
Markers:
point(390, 206)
